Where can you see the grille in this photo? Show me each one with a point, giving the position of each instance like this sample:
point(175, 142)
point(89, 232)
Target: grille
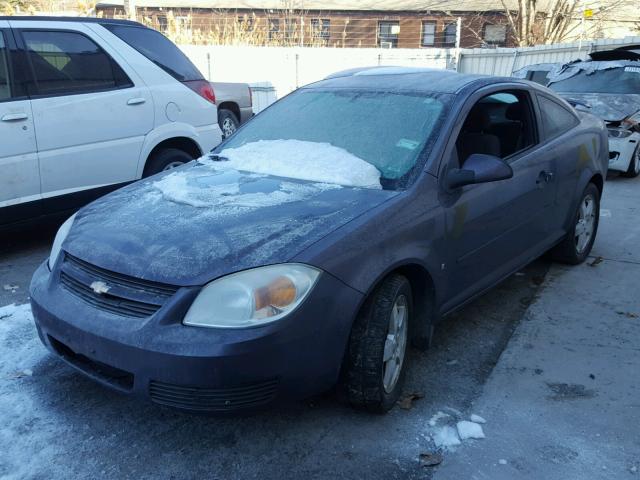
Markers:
point(213, 399)
point(126, 296)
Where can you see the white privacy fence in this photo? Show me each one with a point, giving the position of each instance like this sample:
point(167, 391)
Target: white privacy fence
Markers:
point(273, 72)
point(286, 68)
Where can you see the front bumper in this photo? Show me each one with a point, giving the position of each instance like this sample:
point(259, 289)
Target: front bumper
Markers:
point(199, 369)
point(621, 151)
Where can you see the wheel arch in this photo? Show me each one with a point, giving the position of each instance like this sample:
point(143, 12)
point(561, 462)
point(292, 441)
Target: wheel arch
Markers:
point(423, 291)
point(185, 144)
point(232, 107)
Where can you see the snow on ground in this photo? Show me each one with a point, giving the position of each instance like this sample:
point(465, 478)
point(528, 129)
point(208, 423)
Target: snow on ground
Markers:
point(477, 418)
point(446, 437)
point(468, 430)
point(312, 161)
point(21, 356)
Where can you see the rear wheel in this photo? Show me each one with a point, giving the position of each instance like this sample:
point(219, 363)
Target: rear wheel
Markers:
point(228, 122)
point(576, 246)
point(166, 159)
point(378, 345)
point(634, 166)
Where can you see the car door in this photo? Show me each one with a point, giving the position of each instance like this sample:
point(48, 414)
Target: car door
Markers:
point(494, 228)
point(19, 172)
point(90, 109)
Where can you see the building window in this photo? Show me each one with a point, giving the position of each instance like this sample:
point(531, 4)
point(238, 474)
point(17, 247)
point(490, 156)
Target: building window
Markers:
point(320, 29)
point(450, 35)
point(428, 34)
point(274, 28)
point(495, 34)
point(290, 29)
point(388, 34)
point(245, 23)
point(162, 23)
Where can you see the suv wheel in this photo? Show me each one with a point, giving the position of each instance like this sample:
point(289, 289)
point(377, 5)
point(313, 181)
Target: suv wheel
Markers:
point(576, 246)
point(378, 345)
point(166, 159)
point(228, 123)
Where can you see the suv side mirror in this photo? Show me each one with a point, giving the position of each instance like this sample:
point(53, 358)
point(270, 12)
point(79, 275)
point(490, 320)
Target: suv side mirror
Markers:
point(478, 168)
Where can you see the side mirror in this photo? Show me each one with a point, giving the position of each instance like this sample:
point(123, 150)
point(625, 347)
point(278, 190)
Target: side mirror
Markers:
point(478, 168)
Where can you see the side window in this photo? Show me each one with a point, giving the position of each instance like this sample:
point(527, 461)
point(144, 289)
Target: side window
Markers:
point(160, 50)
point(5, 88)
point(500, 124)
point(556, 119)
point(69, 62)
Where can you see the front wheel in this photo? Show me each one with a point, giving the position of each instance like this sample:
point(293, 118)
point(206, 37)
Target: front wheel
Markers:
point(378, 346)
point(576, 246)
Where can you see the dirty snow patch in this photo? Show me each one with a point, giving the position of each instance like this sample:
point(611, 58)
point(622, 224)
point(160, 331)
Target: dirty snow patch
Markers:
point(468, 429)
point(311, 161)
point(446, 437)
point(477, 418)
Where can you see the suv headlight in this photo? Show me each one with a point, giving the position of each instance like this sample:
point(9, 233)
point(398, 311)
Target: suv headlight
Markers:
point(252, 297)
point(63, 231)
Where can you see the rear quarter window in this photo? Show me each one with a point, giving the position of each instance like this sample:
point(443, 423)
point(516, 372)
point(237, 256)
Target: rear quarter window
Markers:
point(159, 49)
point(556, 119)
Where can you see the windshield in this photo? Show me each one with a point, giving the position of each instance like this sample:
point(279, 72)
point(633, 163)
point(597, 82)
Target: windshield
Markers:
point(613, 80)
point(387, 130)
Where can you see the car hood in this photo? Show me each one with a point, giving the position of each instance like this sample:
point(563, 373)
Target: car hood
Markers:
point(197, 222)
point(610, 107)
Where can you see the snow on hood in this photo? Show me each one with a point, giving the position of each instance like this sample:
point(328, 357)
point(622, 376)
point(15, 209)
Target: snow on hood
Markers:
point(302, 160)
point(610, 107)
point(200, 221)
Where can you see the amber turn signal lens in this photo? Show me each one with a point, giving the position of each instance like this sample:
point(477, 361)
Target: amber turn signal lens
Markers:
point(279, 293)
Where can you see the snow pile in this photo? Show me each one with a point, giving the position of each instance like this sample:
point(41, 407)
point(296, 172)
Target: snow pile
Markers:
point(18, 359)
point(312, 161)
point(468, 429)
point(446, 437)
point(188, 188)
point(447, 432)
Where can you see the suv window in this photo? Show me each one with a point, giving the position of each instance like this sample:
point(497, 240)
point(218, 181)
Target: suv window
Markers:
point(5, 89)
point(159, 49)
point(500, 124)
point(69, 62)
point(556, 119)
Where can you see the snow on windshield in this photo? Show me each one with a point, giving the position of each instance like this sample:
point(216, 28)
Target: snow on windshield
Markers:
point(302, 160)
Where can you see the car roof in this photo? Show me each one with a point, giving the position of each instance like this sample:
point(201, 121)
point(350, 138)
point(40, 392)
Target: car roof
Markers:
point(102, 21)
point(414, 79)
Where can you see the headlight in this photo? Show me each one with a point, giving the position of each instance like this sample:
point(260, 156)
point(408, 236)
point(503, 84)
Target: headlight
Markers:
point(253, 297)
point(63, 231)
point(619, 133)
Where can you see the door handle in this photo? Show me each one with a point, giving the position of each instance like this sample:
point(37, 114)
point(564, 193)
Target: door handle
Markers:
point(136, 101)
point(545, 177)
point(14, 117)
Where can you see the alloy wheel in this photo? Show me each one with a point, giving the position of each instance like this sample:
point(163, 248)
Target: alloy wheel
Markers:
point(228, 127)
point(586, 223)
point(395, 344)
point(172, 165)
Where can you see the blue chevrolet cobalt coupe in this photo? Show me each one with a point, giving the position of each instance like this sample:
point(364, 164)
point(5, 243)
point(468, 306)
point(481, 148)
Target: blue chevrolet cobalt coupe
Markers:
point(316, 244)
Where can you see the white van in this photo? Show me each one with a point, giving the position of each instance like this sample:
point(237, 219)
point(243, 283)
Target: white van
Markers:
point(88, 105)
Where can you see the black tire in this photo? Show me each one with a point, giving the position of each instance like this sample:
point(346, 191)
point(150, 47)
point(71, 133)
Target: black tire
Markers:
point(634, 165)
point(228, 122)
point(363, 379)
point(567, 251)
point(162, 159)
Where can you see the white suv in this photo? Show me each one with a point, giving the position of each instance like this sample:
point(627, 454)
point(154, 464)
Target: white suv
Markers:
point(87, 105)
